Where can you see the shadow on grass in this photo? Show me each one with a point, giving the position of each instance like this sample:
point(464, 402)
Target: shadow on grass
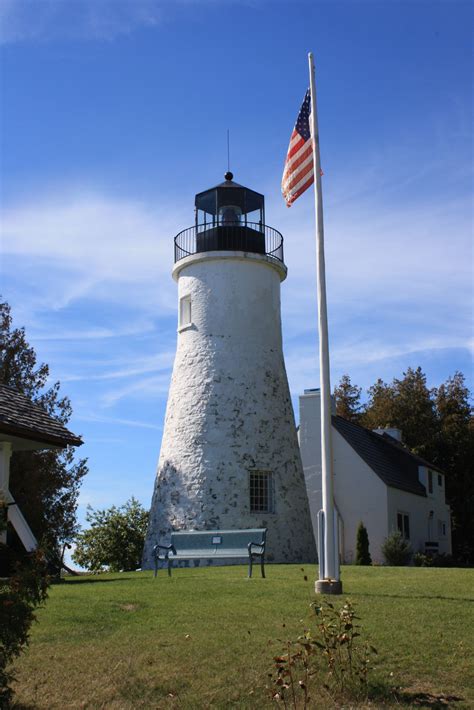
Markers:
point(381, 692)
point(95, 580)
point(426, 700)
point(412, 596)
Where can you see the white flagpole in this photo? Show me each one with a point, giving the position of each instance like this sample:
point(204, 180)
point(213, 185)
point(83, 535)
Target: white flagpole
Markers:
point(329, 570)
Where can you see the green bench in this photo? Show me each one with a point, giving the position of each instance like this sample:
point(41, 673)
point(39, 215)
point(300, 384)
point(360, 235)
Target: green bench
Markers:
point(213, 545)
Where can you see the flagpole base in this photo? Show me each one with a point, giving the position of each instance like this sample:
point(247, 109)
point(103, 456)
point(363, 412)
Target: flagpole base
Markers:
point(328, 586)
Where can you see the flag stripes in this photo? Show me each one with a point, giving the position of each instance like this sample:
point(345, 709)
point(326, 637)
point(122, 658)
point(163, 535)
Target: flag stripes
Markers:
point(298, 173)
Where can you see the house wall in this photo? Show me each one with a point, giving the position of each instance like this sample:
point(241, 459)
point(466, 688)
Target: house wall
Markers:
point(358, 492)
point(423, 526)
point(361, 495)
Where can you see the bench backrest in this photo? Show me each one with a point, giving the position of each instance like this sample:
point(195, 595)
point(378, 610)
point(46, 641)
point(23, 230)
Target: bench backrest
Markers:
point(217, 539)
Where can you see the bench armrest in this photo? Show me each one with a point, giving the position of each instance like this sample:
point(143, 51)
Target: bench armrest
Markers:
point(260, 545)
point(168, 548)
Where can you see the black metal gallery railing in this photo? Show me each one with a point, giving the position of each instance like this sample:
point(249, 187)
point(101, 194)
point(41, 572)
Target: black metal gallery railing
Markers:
point(250, 237)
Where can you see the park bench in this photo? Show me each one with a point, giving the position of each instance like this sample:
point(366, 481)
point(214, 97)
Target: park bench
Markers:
point(214, 545)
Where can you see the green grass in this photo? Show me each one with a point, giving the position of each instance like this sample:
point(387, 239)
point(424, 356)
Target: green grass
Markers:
point(206, 637)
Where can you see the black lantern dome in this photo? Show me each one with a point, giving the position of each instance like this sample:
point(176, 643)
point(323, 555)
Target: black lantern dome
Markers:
point(227, 201)
point(229, 217)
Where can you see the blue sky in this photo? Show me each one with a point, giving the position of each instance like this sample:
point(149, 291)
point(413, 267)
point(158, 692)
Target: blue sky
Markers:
point(114, 114)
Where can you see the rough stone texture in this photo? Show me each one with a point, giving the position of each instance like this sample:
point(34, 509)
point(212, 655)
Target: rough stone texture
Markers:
point(229, 411)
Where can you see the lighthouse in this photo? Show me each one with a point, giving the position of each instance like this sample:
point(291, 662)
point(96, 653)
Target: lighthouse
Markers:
point(229, 456)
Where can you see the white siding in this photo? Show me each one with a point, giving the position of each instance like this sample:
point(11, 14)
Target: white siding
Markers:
point(423, 526)
point(360, 494)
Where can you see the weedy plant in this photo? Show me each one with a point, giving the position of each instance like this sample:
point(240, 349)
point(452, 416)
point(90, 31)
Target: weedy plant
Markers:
point(328, 660)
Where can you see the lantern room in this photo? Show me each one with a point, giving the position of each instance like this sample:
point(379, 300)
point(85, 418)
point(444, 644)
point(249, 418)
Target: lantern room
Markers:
point(229, 217)
point(230, 204)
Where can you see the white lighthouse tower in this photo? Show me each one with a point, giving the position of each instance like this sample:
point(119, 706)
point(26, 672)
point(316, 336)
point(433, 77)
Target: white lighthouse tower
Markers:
point(229, 457)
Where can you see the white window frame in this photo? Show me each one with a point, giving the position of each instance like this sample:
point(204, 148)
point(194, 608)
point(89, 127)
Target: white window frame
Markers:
point(269, 494)
point(185, 312)
point(405, 518)
point(430, 482)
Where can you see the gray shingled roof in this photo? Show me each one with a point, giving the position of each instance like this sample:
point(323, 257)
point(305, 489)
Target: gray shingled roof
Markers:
point(390, 460)
point(21, 418)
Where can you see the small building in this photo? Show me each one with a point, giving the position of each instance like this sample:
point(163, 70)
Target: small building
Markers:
point(378, 481)
point(25, 426)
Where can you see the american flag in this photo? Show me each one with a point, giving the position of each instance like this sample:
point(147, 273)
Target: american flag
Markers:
point(298, 173)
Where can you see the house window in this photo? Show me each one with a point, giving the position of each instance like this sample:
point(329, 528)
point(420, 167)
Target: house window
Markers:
point(403, 524)
point(184, 311)
point(430, 481)
point(440, 480)
point(261, 492)
point(441, 528)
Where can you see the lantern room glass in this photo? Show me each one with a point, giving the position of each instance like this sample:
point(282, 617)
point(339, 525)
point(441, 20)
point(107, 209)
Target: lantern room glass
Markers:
point(230, 204)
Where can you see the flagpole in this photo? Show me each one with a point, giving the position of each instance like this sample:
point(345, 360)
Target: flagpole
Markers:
point(329, 580)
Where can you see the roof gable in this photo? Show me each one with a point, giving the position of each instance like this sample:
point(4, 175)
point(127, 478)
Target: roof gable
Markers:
point(391, 461)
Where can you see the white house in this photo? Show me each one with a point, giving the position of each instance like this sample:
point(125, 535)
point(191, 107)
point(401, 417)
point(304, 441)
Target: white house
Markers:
point(24, 426)
point(376, 481)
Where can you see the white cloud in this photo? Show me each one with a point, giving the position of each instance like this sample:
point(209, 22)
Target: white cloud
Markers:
point(141, 366)
point(40, 20)
point(144, 388)
point(90, 246)
point(398, 283)
point(116, 421)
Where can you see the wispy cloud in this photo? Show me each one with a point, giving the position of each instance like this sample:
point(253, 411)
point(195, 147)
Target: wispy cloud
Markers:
point(42, 20)
point(145, 388)
point(144, 366)
point(93, 333)
point(92, 246)
point(116, 421)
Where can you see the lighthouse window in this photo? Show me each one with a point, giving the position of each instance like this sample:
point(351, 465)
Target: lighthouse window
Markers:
point(185, 311)
point(261, 493)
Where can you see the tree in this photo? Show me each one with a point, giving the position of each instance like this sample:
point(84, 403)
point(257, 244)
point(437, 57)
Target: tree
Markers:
point(45, 484)
point(436, 424)
point(455, 456)
point(362, 546)
point(409, 405)
point(115, 538)
point(347, 397)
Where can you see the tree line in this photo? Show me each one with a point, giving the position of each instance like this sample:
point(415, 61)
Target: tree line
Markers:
point(437, 424)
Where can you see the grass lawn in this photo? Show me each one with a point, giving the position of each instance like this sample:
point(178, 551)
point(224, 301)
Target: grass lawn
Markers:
point(206, 637)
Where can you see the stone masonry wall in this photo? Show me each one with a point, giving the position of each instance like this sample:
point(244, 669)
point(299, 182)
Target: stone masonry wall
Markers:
point(229, 411)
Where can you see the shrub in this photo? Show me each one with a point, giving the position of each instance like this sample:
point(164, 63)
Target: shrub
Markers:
point(422, 560)
point(362, 546)
point(440, 559)
point(20, 594)
point(115, 538)
point(396, 550)
point(327, 659)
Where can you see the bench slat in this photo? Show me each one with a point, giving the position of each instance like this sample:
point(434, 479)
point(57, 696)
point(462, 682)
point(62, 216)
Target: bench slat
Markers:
point(205, 554)
point(213, 544)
